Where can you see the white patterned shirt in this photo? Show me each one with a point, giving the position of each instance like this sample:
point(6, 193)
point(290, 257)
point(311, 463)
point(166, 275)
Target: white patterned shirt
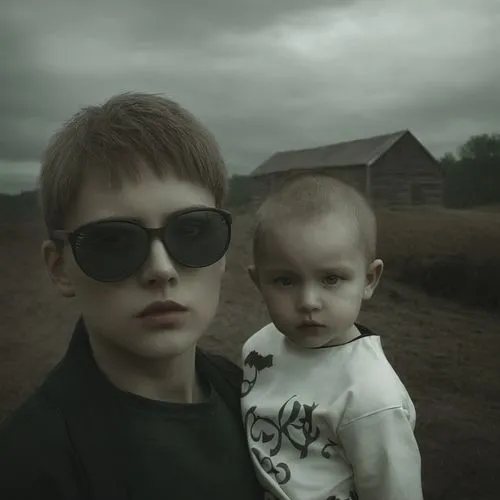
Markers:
point(333, 423)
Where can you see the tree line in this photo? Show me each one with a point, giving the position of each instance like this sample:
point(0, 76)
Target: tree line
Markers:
point(472, 174)
point(471, 178)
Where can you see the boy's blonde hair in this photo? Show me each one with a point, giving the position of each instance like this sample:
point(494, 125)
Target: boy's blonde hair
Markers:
point(305, 197)
point(116, 141)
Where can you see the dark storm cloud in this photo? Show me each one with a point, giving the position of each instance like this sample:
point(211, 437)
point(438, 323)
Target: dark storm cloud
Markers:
point(35, 98)
point(262, 75)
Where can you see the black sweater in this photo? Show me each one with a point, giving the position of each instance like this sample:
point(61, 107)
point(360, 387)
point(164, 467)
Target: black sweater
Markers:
point(79, 437)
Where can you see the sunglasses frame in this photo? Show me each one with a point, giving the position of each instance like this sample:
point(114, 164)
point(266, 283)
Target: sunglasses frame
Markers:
point(152, 233)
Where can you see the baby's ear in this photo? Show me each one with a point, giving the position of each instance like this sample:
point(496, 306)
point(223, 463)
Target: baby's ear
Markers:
point(373, 276)
point(252, 272)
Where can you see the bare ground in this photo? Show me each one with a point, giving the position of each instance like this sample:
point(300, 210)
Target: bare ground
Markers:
point(447, 354)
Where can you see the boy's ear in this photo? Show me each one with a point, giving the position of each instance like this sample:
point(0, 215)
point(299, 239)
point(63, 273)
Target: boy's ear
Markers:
point(252, 272)
point(373, 275)
point(223, 264)
point(53, 258)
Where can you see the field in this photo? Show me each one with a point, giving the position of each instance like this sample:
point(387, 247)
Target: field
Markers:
point(447, 352)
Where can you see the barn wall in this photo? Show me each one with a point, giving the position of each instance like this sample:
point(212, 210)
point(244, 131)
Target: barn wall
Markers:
point(406, 175)
point(354, 176)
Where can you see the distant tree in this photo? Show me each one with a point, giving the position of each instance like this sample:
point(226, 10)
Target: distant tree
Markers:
point(481, 148)
point(241, 190)
point(472, 177)
point(20, 206)
point(448, 160)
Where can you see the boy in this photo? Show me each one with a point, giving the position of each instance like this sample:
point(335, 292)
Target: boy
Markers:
point(326, 416)
point(131, 193)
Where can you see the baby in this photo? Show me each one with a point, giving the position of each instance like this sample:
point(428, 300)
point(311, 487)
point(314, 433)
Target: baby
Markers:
point(326, 416)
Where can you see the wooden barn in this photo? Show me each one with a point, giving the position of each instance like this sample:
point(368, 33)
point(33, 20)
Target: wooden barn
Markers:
point(391, 169)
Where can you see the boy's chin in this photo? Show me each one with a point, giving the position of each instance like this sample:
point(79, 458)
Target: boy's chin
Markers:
point(166, 344)
point(160, 344)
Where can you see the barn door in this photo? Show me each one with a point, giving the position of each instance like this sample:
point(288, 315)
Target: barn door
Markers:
point(417, 194)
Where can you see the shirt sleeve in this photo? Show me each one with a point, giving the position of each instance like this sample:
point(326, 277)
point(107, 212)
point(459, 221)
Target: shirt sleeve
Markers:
point(384, 454)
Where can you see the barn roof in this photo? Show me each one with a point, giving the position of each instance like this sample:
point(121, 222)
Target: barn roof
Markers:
point(343, 154)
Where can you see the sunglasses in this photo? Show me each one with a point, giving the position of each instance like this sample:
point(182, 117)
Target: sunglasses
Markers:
point(112, 250)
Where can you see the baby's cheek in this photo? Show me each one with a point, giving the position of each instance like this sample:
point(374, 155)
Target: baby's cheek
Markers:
point(277, 310)
point(280, 305)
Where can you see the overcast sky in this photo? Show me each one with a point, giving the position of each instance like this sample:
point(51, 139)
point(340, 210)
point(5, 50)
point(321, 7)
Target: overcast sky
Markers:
point(264, 75)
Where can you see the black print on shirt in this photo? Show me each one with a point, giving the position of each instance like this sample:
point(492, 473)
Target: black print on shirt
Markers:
point(352, 496)
point(268, 431)
point(281, 471)
point(258, 363)
point(273, 431)
point(325, 451)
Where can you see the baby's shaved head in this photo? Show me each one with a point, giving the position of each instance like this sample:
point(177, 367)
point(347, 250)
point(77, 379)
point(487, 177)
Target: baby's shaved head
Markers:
point(309, 197)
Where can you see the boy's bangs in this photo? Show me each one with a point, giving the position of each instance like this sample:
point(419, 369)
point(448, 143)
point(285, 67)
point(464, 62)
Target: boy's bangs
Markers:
point(118, 141)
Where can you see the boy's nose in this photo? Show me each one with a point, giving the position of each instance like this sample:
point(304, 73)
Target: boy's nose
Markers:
point(159, 267)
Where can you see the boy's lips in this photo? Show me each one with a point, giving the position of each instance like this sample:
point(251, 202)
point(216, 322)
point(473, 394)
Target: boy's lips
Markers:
point(160, 308)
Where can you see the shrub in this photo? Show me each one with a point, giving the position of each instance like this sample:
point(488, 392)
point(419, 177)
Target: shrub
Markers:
point(452, 254)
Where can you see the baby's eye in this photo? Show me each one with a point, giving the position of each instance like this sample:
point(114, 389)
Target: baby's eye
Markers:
point(331, 280)
point(282, 281)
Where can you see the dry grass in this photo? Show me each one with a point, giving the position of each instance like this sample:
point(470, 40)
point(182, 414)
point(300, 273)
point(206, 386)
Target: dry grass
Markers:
point(447, 253)
point(420, 233)
point(447, 354)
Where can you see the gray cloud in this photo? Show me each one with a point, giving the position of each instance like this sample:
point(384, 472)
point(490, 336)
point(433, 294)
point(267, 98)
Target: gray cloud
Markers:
point(262, 75)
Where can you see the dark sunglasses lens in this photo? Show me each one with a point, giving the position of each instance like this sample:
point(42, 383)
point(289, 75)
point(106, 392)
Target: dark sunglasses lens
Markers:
point(110, 251)
point(198, 239)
